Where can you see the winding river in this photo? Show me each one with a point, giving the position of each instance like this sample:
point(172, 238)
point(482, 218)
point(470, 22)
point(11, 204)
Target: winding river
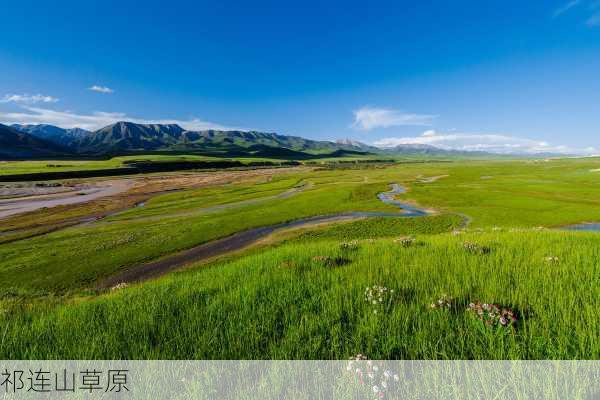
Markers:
point(589, 226)
point(243, 239)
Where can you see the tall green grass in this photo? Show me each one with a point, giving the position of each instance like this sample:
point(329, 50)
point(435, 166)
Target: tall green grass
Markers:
point(386, 227)
point(285, 304)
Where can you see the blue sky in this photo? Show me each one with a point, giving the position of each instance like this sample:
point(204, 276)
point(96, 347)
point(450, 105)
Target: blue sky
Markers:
point(487, 75)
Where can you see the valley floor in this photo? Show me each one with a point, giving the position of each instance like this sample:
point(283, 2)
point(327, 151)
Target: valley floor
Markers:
point(508, 285)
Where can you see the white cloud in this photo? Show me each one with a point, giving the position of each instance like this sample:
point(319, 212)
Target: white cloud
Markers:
point(96, 120)
point(565, 7)
point(494, 143)
point(101, 89)
point(367, 118)
point(593, 21)
point(28, 99)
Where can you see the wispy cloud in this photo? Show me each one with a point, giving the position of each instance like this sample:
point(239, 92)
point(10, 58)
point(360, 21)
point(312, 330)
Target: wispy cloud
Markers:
point(593, 21)
point(565, 7)
point(27, 99)
point(95, 120)
point(100, 89)
point(588, 8)
point(494, 143)
point(367, 118)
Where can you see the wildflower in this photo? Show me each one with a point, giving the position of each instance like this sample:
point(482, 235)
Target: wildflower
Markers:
point(119, 286)
point(552, 260)
point(376, 378)
point(476, 248)
point(492, 314)
point(378, 296)
point(405, 241)
point(443, 302)
point(456, 232)
point(349, 246)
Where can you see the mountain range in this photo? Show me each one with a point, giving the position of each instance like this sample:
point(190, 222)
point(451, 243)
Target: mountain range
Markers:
point(123, 138)
point(15, 144)
point(60, 136)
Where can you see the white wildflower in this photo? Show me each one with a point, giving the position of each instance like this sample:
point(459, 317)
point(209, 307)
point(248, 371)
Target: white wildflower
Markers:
point(119, 286)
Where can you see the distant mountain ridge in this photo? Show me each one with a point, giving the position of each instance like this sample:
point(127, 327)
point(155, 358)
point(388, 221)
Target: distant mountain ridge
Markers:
point(15, 144)
point(427, 149)
point(413, 149)
point(61, 136)
point(122, 138)
point(130, 138)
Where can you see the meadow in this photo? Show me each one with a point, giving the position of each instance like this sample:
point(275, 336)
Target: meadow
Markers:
point(325, 292)
point(289, 303)
point(67, 165)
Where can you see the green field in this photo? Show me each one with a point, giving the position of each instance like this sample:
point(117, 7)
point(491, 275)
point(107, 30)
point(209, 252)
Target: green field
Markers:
point(301, 294)
point(31, 167)
point(66, 165)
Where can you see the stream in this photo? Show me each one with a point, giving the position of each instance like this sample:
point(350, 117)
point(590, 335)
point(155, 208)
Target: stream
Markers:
point(240, 240)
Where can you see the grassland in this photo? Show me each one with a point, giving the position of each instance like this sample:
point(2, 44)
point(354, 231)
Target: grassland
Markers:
point(42, 166)
point(66, 165)
point(285, 304)
point(279, 301)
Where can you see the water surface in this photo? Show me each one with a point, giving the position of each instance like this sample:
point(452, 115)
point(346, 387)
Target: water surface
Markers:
point(591, 227)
